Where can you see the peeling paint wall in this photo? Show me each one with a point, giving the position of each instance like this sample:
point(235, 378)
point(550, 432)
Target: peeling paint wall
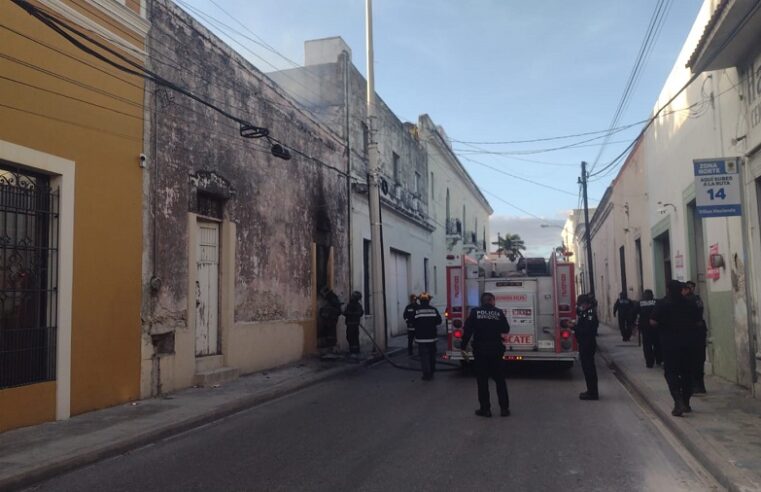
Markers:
point(336, 92)
point(276, 208)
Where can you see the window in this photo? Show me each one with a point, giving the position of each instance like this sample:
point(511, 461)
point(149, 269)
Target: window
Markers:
point(432, 189)
point(435, 279)
point(425, 274)
point(366, 255)
point(464, 228)
point(418, 179)
point(396, 168)
point(448, 214)
point(28, 278)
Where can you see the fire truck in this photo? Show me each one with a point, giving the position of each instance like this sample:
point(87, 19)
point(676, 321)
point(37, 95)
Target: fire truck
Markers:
point(536, 295)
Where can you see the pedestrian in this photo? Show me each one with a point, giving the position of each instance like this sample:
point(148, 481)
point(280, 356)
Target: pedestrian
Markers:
point(487, 325)
point(409, 318)
point(353, 314)
point(427, 318)
point(677, 318)
point(624, 308)
point(699, 343)
point(651, 342)
point(585, 329)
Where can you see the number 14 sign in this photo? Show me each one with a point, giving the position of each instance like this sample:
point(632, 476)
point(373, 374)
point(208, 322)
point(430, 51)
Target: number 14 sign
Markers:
point(717, 187)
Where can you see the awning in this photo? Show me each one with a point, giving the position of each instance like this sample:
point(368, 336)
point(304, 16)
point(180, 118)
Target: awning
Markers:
point(732, 34)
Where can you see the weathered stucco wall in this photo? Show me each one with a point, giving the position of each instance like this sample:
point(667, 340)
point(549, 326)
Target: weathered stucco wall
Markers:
point(277, 209)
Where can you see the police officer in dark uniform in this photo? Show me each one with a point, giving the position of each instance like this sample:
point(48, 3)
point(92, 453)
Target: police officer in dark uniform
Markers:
point(651, 342)
point(585, 329)
point(409, 318)
point(677, 319)
point(427, 318)
point(699, 343)
point(624, 308)
point(353, 314)
point(487, 325)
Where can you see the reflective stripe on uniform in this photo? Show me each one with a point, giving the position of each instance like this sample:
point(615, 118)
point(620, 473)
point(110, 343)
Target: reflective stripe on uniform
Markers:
point(425, 340)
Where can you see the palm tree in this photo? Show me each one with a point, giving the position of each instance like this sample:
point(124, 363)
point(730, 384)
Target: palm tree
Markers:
point(511, 245)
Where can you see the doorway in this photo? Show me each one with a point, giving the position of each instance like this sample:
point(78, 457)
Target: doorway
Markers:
point(400, 286)
point(207, 289)
point(662, 262)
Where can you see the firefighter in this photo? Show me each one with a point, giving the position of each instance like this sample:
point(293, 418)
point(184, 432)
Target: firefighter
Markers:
point(409, 317)
point(585, 329)
point(651, 342)
point(353, 314)
point(487, 326)
point(677, 319)
point(624, 308)
point(699, 343)
point(427, 318)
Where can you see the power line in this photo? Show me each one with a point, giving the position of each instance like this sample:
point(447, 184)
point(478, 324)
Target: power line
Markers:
point(496, 169)
point(650, 37)
point(545, 139)
point(511, 204)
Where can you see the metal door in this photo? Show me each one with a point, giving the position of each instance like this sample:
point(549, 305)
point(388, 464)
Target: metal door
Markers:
point(401, 290)
point(207, 289)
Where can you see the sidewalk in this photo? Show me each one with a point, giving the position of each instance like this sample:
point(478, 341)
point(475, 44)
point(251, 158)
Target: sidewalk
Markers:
point(35, 453)
point(724, 430)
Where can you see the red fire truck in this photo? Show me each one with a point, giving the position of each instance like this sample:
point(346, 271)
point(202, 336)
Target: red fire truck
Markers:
point(537, 297)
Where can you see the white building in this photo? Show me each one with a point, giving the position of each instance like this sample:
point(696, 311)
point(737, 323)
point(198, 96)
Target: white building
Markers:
point(456, 205)
point(426, 187)
point(709, 107)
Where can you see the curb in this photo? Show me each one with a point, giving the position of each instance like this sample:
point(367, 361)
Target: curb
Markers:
point(49, 470)
point(726, 475)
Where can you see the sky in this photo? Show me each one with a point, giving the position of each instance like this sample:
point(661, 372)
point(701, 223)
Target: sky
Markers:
point(491, 71)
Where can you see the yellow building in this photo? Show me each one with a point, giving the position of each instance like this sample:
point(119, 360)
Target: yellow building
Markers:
point(71, 137)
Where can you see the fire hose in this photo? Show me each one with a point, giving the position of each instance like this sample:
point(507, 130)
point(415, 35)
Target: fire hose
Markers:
point(452, 367)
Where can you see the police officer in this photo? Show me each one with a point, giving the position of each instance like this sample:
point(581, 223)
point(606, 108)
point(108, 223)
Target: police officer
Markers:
point(624, 308)
point(409, 317)
point(651, 342)
point(699, 343)
point(353, 314)
point(585, 329)
point(487, 325)
point(427, 318)
point(677, 318)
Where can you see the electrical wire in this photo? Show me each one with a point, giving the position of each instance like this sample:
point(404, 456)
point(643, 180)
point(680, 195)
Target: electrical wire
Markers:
point(496, 169)
point(640, 60)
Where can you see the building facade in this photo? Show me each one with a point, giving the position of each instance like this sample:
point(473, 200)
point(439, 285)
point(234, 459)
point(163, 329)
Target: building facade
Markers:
point(243, 249)
point(705, 110)
point(332, 88)
point(457, 207)
point(71, 136)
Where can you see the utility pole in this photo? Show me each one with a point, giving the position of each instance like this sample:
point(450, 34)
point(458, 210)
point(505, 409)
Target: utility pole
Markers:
point(587, 234)
point(373, 179)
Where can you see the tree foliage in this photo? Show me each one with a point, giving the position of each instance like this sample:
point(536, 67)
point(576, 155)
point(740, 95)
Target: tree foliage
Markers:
point(510, 245)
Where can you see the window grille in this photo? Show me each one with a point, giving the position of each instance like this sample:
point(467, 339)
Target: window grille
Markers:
point(28, 277)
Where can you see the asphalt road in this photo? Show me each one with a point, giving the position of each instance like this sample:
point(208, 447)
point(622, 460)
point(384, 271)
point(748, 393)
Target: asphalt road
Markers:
point(384, 429)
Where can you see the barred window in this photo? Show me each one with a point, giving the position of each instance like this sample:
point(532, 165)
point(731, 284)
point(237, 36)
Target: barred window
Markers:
point(28, 277)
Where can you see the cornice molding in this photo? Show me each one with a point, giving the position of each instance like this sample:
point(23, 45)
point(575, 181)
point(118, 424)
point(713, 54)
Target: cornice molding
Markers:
point(86, 22)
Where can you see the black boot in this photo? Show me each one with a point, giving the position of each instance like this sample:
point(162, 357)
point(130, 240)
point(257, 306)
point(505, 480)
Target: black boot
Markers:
point(588, 396)
point(483, 412)
point(678, 410)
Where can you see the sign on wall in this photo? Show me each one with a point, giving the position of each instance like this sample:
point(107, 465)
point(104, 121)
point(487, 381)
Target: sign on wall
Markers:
point(711, 272)
point(717, 187)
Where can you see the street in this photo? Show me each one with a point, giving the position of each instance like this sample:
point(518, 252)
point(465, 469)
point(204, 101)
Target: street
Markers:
point(384, 429)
